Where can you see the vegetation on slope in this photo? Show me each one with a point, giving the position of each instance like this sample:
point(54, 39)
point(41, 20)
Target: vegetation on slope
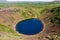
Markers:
point(56, 18)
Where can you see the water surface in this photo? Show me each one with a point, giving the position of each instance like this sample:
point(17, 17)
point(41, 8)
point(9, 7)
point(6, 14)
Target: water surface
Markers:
point(29, 26)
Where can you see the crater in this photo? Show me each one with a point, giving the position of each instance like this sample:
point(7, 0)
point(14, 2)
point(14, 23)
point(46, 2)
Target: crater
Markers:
point(29, 26)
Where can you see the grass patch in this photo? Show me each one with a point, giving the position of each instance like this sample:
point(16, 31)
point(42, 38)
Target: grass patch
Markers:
point(12, 18)
point(3, 27)
point(11, 30)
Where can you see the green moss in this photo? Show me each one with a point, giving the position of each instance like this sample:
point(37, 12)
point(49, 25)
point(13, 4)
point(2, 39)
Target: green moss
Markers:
point(11, 30)
point(12, 18)
point(24, 14)
point(3, 27)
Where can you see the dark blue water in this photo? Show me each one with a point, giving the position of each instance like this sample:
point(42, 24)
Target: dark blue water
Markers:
point(29, 26)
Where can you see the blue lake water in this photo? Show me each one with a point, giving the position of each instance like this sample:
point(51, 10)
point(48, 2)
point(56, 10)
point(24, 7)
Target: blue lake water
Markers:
point(29, 26)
